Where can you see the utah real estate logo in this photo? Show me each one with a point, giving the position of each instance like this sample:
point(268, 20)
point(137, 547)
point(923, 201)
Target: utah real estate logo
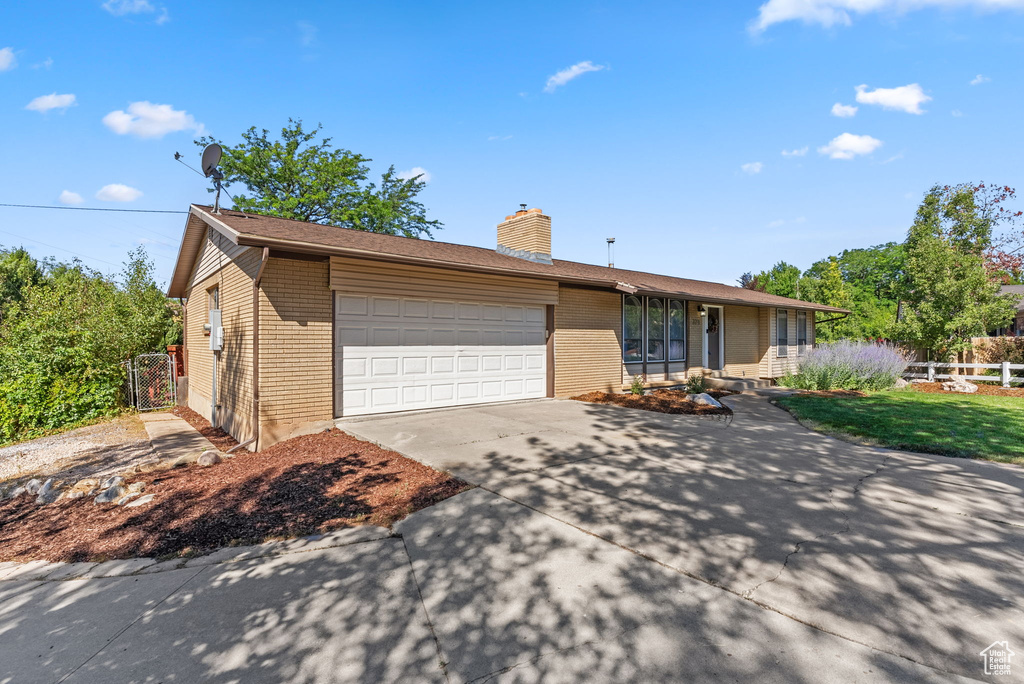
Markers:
point(997, 658)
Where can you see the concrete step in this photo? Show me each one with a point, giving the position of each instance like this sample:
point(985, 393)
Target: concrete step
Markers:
point(736, 384)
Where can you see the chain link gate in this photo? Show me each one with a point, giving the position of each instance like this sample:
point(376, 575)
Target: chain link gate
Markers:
point(149, 382)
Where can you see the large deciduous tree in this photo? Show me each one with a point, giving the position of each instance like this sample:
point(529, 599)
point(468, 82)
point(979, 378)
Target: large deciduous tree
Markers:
point(950, 291)
point(303, 176)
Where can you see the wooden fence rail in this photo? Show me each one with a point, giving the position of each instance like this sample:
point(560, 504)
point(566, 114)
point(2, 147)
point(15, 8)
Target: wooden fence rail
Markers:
point(1004, 369)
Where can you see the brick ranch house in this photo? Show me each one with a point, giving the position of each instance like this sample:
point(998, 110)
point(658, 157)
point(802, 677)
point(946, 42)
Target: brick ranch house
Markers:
point(319, 322)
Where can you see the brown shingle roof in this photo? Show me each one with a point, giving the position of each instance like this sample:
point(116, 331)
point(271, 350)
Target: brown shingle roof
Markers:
point(286, 234)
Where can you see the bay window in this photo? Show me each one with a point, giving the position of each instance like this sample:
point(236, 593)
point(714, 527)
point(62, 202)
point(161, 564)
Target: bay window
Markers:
point(633, 325)
point(676, 330)
point(653, 329)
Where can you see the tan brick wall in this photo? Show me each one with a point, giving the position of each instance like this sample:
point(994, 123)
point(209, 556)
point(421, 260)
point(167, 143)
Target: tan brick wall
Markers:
point(234, 362)
point(588, 341)
point(741, 341)
point(531, 232)
point(296, 355)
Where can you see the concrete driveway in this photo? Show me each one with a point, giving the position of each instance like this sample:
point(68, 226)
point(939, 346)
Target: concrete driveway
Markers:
point(619, 544)
point(602, 545)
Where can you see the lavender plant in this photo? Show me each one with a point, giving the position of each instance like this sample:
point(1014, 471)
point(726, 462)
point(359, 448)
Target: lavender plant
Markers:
point(849, 365)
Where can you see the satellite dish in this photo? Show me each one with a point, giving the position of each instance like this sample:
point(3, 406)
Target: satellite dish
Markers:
point(211, 157)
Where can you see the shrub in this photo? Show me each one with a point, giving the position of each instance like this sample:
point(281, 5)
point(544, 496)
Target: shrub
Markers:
point(849, 365)
point(62, 345)
point(695, 384)
point(637, 386)
point(999, 349)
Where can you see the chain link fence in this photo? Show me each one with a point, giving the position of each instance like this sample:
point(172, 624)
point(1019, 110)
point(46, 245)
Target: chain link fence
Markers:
point(149, 382)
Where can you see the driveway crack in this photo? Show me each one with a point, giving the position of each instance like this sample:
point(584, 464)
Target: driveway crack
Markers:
point(843, 530)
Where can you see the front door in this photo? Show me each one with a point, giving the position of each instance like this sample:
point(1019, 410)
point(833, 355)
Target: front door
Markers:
point(713, 339)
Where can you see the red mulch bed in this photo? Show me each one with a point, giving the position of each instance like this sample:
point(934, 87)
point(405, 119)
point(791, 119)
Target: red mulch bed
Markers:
point(662, 401)
point(996, 390)
point(217, 436)
point(309, 484)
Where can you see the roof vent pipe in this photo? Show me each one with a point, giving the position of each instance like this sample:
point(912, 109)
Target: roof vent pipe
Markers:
point(611, 252)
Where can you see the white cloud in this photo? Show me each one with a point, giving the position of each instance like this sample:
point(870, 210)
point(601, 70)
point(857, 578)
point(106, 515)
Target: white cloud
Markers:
point(799, 152)
point(499, 137)
point(45, 64)
point(120, 8)
point(68, 197)
point(45, 103)
point(843, 111)
point(7, 59)
point(752, 168)
point(829, 13)
point(848, 146)
point(777, 223)
point(895, 157)
point(148, 120)
point(979, 79)
point(416, 171)
point(957, 113)
point(569, 73)
point(115, 192)
point(908, 98)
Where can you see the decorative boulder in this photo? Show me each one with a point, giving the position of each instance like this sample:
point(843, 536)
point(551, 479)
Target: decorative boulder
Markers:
point(704, 399)
point(110, 494)
point(959, 385)
point(111, 481)
point(16, 492)
point(33, 486)
point(209, 458)
point(900, 384)
point(48, 493)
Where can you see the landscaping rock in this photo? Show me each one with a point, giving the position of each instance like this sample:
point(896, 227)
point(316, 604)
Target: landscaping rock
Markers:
point(112, 481)
point(85, 487)
point(128, 496)
point(110, 494)
point(49, 492)
point(16, 492)
point(147, 466)
point(209, 458)
point(33, 486)
point(918, 381)
point(183, 461)
point(900, 384)
point(136, 487)
point(704, 399)
point(960, 385)
point(141, 501)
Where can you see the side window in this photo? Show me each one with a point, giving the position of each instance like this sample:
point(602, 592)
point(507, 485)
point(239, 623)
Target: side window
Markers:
point(213, 298)
point(676, 330)
point(632, 327)
point(655, 329)
point(801, 330)
point(782, 332)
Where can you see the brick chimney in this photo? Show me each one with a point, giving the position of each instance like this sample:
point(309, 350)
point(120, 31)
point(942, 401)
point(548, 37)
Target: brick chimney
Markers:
point(526, 234)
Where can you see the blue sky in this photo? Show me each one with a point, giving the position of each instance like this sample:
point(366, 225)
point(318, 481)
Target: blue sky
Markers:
point(668, 134)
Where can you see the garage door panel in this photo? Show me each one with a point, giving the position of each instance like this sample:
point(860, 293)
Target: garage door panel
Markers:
point(397, 354)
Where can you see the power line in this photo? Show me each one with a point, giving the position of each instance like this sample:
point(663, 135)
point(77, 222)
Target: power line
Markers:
point(130, 211)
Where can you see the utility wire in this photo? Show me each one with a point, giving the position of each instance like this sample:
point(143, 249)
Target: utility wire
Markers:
point(131, 211)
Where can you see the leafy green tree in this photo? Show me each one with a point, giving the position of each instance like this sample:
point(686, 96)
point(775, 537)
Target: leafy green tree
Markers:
point(18, 272)
point(304, 177)
point(62, 345)
point(949, 293)
point(782, 279)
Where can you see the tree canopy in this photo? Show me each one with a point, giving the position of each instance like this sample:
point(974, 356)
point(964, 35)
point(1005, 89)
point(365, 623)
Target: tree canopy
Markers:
point(303, 176)
point(950, 290)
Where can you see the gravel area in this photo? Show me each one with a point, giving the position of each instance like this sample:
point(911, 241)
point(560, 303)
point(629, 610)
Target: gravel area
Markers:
point(308, 484)
point(662, 401)
point(94, 450)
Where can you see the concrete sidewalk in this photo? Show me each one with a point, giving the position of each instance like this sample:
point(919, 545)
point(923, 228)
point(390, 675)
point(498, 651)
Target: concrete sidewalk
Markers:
point(174, 438)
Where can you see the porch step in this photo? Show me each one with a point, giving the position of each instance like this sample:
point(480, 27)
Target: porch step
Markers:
point(736, 384)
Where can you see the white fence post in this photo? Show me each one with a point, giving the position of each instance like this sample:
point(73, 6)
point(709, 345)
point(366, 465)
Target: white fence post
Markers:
point(1005, 373)
point(931, 371)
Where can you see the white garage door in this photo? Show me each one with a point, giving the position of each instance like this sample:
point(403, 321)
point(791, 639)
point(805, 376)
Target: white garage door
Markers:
point(399, 354)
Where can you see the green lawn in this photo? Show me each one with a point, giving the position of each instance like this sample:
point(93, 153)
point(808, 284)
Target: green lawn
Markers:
point(972, 426)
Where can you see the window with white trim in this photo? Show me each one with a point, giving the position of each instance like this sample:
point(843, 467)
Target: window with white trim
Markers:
point(782, 332)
